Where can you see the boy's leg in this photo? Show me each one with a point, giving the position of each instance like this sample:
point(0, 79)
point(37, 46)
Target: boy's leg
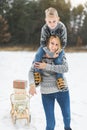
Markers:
point(38, 58)
point(39, 54)
point(59, 76)
point(48, 101)
point(58, 60)
point(64, 102)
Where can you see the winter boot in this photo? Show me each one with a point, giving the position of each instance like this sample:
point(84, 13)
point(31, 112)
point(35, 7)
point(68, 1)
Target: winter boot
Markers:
point(60, 83)
point(37, 78)
point(68, 129)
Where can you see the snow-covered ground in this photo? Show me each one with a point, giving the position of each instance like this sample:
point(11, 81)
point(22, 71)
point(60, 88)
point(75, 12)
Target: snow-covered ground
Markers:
point(15, 65)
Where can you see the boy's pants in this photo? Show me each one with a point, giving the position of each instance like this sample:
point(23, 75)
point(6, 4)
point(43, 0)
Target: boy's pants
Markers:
point(39, 54)
point(58, 61)
point(63, 100)
point(38, 57)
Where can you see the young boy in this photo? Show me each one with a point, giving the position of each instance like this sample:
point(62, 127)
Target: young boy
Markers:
point(53, 26)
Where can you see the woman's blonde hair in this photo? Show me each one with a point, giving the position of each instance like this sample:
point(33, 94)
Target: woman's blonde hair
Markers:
point(58, 40)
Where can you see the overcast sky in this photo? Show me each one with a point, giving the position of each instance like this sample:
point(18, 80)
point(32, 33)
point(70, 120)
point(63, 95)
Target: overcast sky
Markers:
point(77, 2)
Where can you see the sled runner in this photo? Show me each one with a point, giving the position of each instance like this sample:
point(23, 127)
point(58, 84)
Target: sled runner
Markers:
point(20, 102)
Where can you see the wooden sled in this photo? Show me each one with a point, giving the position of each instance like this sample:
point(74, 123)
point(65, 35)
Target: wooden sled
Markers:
point(20, 107)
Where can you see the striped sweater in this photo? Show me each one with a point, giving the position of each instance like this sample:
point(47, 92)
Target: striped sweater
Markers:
point(48, 84)
point(60, 31)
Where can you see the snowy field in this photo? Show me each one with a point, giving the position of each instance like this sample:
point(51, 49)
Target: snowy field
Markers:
point(15, 65)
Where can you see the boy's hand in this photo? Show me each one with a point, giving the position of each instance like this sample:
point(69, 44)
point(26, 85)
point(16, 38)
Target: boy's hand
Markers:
point(32, 89)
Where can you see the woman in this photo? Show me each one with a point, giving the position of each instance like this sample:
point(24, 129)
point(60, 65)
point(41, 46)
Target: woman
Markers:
point(48, 86)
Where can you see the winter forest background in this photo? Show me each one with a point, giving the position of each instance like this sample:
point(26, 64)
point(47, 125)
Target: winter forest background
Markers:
point(21, 22)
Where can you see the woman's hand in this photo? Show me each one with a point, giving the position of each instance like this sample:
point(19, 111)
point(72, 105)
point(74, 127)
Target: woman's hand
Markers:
point(32, 89)
point(40, 65)
point(56, 54)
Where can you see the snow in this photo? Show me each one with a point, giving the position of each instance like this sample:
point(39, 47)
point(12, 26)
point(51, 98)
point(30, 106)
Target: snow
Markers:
point(15, 65)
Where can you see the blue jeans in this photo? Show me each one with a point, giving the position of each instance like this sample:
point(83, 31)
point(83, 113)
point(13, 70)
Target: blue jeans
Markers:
point(57, 61)
point(38, 57)
point(63, 100)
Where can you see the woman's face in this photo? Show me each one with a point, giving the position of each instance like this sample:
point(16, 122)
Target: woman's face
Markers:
point(54, 44)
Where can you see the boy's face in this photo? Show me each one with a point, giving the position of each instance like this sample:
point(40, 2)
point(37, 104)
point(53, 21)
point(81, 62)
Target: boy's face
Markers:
point(53, 45)
point(52, 21)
